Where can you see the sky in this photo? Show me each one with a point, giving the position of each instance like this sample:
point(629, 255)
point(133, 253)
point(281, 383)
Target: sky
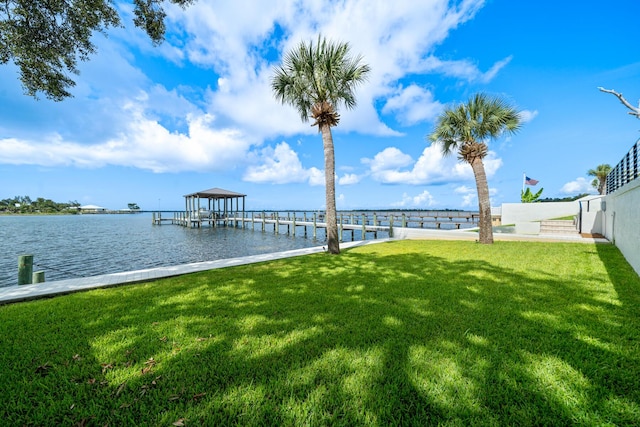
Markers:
point(148, 125)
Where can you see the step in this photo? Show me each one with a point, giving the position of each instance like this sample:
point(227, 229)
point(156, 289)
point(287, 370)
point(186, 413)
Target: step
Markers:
point(558, 227)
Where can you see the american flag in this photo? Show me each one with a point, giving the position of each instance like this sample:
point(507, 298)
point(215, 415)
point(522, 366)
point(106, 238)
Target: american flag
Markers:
point(530, 181)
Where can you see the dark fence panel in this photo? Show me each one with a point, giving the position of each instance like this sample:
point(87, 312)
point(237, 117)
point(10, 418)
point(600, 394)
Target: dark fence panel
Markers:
point(625, 171)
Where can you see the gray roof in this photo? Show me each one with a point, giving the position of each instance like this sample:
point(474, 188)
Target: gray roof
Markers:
point(215, 193)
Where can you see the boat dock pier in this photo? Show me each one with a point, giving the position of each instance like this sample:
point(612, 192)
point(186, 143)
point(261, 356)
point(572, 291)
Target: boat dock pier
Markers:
point(274, 220)
point(221, 211)
point(349, 222)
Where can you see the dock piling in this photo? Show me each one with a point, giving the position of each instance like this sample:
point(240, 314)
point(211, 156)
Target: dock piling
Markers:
point(294, 224)
point(25, 269)
point(38, 277)
point(315, 218)
point(305, 227)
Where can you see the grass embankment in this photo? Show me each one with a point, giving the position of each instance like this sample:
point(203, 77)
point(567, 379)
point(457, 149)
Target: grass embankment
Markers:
point(402, 333)
point(565, 218)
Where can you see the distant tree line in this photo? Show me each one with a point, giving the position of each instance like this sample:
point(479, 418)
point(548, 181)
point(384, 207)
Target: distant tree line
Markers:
point(564, 199)
point(24, 205)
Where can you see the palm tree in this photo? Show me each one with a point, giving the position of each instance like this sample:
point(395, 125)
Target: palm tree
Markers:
point(600, 173)
point(316, 79)
point(464, 128)
point(528, 196)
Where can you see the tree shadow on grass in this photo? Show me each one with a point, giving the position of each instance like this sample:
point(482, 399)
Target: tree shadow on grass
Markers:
point(367, 338)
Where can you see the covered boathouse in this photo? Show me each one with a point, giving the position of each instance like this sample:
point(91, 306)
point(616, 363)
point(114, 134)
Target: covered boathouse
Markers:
point(218, 208)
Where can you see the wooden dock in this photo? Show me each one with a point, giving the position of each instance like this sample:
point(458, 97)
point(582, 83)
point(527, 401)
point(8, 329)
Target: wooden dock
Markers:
point(348, 222)
point(222, 209)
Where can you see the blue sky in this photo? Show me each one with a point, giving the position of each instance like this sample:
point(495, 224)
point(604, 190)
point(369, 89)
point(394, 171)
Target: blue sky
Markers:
point(148, 125)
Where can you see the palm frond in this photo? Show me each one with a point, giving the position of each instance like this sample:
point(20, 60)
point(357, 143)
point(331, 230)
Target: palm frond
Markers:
point(316, 73)
point(601, 171)
point(481, 118)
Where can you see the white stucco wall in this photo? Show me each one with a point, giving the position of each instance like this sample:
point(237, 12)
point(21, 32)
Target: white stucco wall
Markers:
point(621, 221)
point(528, 227)
point(513, 213)
point(591, 215)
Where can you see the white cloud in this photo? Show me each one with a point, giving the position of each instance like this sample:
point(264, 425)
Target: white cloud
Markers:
point(495, 69)
point(316, 176)
point(431, 168)
point(214, 125)
point(577, 186)
point(423, 199)
point(143, 144)
point(461, 69)
point(470, 195)
point(393, 38)
point(349, 179)
point(282, 166)
point(527, 116)
point(463, 189)
point(412, 105)
point(389, 158)
point(469, 200)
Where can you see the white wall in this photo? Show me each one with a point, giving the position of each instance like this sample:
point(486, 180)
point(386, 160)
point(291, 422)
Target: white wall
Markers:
point(525, 212)
point(527, 227)
point(621, 221)
point(591, 215)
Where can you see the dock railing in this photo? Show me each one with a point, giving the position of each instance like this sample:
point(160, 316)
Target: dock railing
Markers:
point(410, 219)
point(351, 224)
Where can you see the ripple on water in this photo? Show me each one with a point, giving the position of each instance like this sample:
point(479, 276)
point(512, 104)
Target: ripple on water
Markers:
point(70, 246)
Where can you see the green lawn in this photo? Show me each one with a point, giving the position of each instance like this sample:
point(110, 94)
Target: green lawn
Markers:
point(400, 333)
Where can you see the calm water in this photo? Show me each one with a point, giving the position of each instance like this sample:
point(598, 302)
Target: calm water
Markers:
point(70, 246)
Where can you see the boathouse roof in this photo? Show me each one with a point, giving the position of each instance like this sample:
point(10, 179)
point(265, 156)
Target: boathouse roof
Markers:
point(92, 208)
point(215, 193)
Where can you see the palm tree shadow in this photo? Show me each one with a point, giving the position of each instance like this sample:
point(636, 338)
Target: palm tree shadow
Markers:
point(367, 339)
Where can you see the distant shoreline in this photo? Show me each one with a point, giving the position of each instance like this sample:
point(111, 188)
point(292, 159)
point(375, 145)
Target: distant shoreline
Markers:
point(73, 213)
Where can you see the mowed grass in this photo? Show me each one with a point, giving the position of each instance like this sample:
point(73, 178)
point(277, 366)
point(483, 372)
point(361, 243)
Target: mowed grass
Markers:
point(399, 333)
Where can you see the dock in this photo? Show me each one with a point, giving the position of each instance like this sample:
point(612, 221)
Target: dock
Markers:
point(223, 209)
point(348, 222)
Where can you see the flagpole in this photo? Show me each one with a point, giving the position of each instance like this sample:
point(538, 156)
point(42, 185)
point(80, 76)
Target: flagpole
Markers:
point(524, 178)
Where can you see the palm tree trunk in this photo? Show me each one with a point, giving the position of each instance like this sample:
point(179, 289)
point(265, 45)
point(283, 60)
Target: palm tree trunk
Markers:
point(602, 185)
point(484, 203)
point(333, 243)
